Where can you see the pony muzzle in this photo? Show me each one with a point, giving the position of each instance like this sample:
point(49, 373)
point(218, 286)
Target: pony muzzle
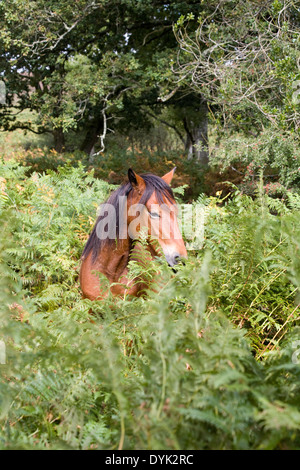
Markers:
point(174, 259)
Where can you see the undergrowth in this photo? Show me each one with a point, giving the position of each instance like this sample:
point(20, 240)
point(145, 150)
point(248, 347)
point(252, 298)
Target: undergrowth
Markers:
point(207, 360)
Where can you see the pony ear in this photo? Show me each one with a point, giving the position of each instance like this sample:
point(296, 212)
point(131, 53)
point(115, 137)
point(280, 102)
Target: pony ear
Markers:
point(136, 181)
point(169, 176)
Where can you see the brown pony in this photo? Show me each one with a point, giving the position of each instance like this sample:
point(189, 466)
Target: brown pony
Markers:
point(111, 242)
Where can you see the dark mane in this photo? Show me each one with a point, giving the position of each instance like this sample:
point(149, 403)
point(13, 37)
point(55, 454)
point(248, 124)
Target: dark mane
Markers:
point(153, 184)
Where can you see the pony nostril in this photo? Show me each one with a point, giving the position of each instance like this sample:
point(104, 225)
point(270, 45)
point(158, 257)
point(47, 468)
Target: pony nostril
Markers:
point(173, 260)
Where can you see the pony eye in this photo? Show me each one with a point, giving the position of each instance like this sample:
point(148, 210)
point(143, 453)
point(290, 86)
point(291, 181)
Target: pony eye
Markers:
point(154, 215)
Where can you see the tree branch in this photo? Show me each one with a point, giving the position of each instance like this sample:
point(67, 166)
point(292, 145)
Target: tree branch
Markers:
point(166, 124)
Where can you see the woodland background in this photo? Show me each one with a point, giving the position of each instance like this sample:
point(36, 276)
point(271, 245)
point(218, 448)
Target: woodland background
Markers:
point(89, 89)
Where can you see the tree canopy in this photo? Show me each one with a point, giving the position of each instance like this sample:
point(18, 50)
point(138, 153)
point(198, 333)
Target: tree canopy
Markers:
point(83, 65)
point(94, 67)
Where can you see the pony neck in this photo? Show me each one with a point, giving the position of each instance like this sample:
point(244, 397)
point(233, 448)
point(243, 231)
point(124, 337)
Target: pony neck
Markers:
point(112, 260)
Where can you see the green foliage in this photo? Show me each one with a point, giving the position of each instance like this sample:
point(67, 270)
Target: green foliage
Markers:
point(244, 61)
point(257, 276)
point(89, 69)
point(174, 370)
point(273, 152)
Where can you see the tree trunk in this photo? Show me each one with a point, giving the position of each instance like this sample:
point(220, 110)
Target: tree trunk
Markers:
point(59, 140)
point(196, 128)
point(91, 138)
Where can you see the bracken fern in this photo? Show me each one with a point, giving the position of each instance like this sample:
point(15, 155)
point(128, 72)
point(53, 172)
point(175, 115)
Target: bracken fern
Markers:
point(206, 360)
